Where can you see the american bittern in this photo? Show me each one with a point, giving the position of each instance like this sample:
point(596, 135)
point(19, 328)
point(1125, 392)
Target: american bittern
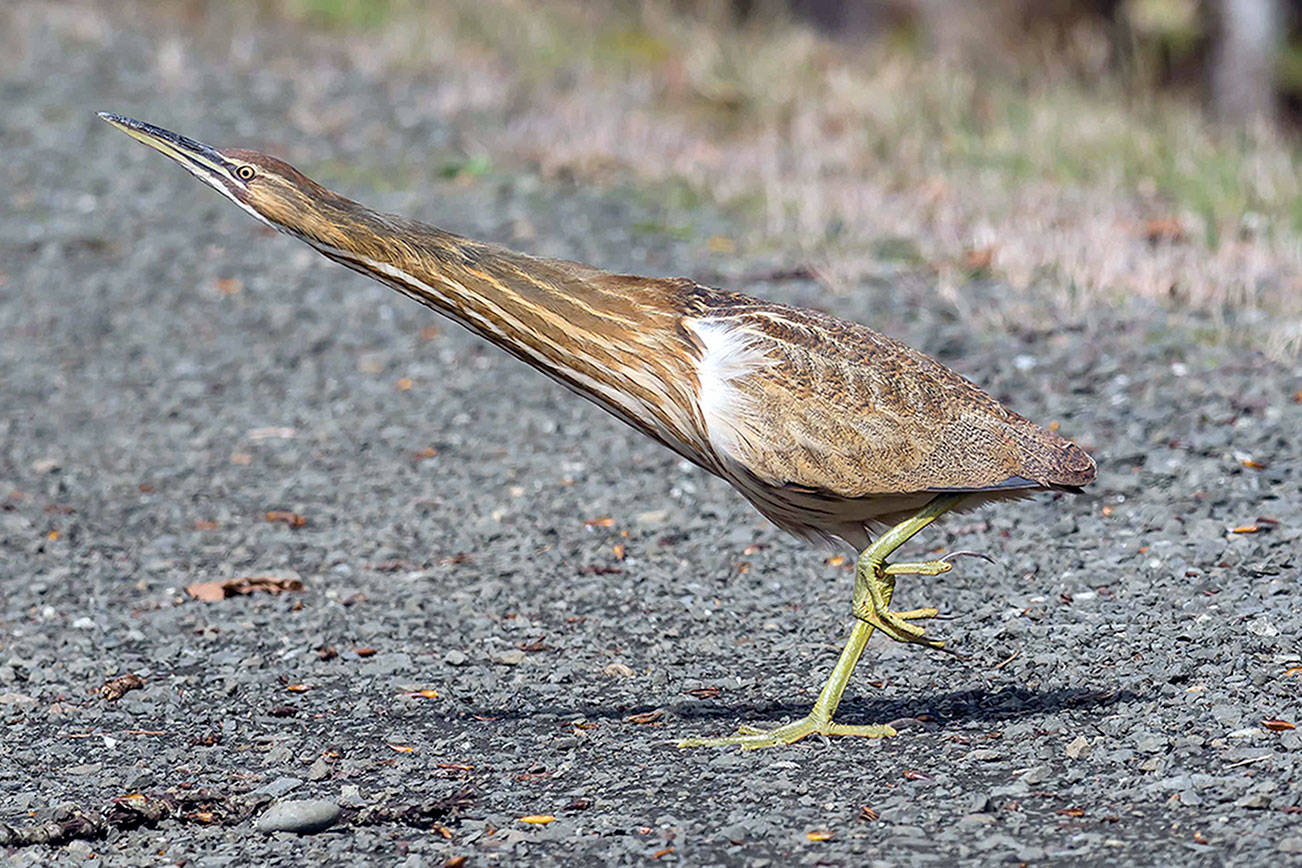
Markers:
point(828, 428)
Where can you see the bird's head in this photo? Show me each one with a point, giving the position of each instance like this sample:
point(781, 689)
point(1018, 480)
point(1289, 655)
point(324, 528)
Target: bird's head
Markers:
point(270, 189)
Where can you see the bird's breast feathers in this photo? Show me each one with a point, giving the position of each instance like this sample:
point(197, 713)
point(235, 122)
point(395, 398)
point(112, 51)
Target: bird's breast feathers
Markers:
point(729, 354)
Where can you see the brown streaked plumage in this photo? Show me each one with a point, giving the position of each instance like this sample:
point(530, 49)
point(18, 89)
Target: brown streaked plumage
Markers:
point(829, 428)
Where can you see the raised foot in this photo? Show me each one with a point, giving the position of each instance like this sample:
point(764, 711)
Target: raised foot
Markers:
point(874, 585)
point(752, 738)
point(897, 626)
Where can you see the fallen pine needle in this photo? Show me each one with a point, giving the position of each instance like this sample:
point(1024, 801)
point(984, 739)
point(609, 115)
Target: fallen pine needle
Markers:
point(1008, 660)
point(211, 592)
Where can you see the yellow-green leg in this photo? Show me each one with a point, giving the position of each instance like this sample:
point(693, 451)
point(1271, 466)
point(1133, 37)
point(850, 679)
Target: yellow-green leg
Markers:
point(819, 719)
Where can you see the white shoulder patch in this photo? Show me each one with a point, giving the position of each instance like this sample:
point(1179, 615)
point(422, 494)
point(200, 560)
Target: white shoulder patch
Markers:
point(729, 354)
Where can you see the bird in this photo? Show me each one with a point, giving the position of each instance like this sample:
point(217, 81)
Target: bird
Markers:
point(831, 430)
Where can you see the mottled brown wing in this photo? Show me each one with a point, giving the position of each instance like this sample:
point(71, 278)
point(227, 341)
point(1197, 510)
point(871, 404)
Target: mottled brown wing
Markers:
point(839, 408)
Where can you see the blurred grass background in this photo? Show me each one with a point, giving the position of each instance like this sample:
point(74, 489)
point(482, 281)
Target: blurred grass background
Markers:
point(1078, 152)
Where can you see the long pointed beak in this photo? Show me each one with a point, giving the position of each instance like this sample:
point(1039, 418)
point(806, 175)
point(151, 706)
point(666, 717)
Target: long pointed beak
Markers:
point(199, 158)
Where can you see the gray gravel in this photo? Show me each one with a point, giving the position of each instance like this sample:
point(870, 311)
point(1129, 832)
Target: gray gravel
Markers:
point(169, 375)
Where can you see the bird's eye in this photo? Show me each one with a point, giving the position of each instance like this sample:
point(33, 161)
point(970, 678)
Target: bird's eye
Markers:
point(245, 173)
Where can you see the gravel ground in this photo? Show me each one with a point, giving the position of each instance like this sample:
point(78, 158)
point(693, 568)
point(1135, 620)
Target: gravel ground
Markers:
point(510, 604)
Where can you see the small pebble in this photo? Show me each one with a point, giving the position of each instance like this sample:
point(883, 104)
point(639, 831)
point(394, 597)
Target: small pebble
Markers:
point(280, 786)
point(455, 658)
point(511, 657)
point(304, 816)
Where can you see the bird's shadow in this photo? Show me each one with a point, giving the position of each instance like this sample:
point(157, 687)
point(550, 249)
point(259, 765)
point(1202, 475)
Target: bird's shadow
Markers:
point(944, 707)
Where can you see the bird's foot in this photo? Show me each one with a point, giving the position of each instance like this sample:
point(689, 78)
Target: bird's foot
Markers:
point(753, 738)
point(874, 585)
point(897, 626)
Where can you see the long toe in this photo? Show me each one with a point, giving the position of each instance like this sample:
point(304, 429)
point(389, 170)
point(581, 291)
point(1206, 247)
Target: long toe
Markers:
point(917, 614)
point(752, 738)
point(897, 626)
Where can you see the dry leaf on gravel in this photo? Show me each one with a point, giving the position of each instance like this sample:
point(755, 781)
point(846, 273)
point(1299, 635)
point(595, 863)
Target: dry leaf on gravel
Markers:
point(1278, 725)
point(645, 717)
point(705, 692)
point(114, 689)
point(535, 646)
point(284, 516)
point(537, 819)
point(212, 592)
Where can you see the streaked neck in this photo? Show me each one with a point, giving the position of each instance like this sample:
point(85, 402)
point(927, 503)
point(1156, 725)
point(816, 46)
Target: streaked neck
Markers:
point(616, 340)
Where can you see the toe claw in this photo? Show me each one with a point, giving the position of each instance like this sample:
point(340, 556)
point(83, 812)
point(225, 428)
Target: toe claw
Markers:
point(952, 653)
point(965, 553)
